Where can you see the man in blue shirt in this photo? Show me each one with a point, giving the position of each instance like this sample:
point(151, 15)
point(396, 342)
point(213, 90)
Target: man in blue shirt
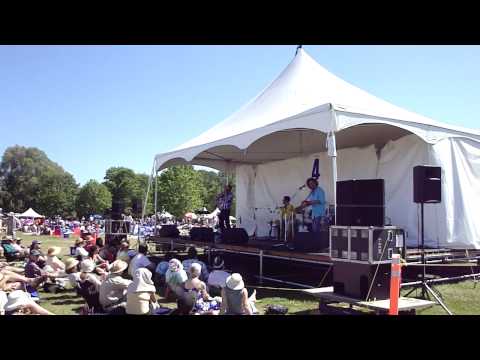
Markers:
point(316, 199)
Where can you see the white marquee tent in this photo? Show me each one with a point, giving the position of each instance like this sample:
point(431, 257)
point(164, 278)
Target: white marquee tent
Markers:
point(30, 213)
point(308, 113)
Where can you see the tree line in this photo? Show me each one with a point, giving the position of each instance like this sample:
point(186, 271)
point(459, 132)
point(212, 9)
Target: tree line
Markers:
point(28, 178)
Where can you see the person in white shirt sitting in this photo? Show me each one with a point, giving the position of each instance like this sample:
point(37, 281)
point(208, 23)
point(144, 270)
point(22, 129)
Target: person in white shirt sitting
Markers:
point(140, 261)
point(80, 252)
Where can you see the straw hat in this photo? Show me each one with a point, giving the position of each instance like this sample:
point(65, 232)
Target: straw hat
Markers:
point(17, 299)
point(118, 267)
point(54, 251)
point(70, 263)
point(87, 266)
point(235, 282)
point(79, 241)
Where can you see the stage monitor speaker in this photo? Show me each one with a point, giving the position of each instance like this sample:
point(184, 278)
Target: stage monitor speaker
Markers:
point(427, 184)
point(311, 242)
point(235, 236)
point(355, 280)
point(169, 231)
point(202, 234)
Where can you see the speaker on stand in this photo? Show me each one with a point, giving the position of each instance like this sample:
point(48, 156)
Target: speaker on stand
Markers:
point(427, 189)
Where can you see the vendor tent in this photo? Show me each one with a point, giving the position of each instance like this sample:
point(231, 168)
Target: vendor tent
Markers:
point(307, 113)
point(165, 215)
point(30, 213)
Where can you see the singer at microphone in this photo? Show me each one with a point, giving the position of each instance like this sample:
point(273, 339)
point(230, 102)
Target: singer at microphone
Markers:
point(316, 199)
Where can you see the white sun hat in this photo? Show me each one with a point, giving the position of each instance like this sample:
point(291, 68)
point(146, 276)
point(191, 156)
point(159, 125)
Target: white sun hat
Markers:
point(235, 282)
point(16, 299)
point(87, 266)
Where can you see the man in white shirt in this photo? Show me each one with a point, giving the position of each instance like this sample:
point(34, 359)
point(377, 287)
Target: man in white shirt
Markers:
point(140, 261)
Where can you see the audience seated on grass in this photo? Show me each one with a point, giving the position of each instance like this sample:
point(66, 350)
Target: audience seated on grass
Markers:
point(141, 299)
point(122, 253)
point(193, 258)
point(53, 261)
point(19, 302)
point(73, 271)
point(37, 245)
point(204, 303)
point(10, 281)
point(161, 270)
point(80, 252)
point(89, 285)
point(140, 261)
point(175, 277)
point(113, 291)
point(235, 300)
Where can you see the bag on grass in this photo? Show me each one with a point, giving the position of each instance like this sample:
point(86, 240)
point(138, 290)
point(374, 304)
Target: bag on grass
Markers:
point(275, 310)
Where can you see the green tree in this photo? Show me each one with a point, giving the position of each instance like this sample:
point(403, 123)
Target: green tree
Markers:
point(179, 190)
point(211, 186)
point(28, 178)
point(93, 198)
point(128, 188)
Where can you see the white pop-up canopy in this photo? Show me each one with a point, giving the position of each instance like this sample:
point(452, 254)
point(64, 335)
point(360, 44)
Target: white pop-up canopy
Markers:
point(30, 213)
point(307, 113)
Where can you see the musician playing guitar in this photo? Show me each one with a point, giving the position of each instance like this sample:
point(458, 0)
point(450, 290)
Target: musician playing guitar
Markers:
point(287, 213)
point(316, 199)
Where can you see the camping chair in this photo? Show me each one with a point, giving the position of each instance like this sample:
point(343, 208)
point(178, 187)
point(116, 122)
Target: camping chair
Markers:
point(10, 255)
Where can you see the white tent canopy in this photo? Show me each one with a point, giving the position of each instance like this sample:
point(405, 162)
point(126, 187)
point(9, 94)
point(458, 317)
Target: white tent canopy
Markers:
point(165, 215)
point(30, 213)
point(273, 139)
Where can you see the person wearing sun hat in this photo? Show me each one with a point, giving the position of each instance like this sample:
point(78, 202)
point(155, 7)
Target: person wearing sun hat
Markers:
point(53, 261)
point(72, 271)
point(175, 276)
point(20, 303)
point(89, 285)
point(141, 299)
point(80, 252)
point(113, 291)
point(235, 300)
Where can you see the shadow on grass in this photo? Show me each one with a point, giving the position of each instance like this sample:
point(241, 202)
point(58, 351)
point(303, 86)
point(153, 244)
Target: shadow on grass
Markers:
point(54, 297)
point(69, 302)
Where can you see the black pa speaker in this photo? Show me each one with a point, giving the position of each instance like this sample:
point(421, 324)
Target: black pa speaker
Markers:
point(169, 231)
point(427, 184)
point(235, 236)
point(361, 202)
point(361, 281)
point(118, 208)
point(202, 234)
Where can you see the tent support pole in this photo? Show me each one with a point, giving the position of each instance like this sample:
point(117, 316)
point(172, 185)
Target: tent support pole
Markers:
point(148, 190)
point(156, 190)
point(332, 152)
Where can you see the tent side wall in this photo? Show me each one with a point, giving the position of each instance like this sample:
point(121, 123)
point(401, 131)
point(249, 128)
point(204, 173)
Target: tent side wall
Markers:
point(262, 187)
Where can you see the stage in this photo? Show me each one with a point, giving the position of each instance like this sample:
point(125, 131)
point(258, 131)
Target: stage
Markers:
point(264, 261)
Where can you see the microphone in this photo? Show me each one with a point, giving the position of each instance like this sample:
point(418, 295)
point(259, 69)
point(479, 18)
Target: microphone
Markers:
point(302, 187)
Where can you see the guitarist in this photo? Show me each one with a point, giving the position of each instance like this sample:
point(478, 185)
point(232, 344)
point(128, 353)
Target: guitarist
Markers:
point(316, 199)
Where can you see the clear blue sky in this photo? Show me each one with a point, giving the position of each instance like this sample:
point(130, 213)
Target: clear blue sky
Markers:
point(92, 107)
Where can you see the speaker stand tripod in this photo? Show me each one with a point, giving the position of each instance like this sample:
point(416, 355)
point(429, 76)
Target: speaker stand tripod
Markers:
point(426, 289)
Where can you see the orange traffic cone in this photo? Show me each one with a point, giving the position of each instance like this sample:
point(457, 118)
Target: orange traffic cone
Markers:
point(395, 279)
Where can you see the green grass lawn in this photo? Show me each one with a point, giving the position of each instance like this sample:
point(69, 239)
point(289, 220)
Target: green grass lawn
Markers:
point(461, 298)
